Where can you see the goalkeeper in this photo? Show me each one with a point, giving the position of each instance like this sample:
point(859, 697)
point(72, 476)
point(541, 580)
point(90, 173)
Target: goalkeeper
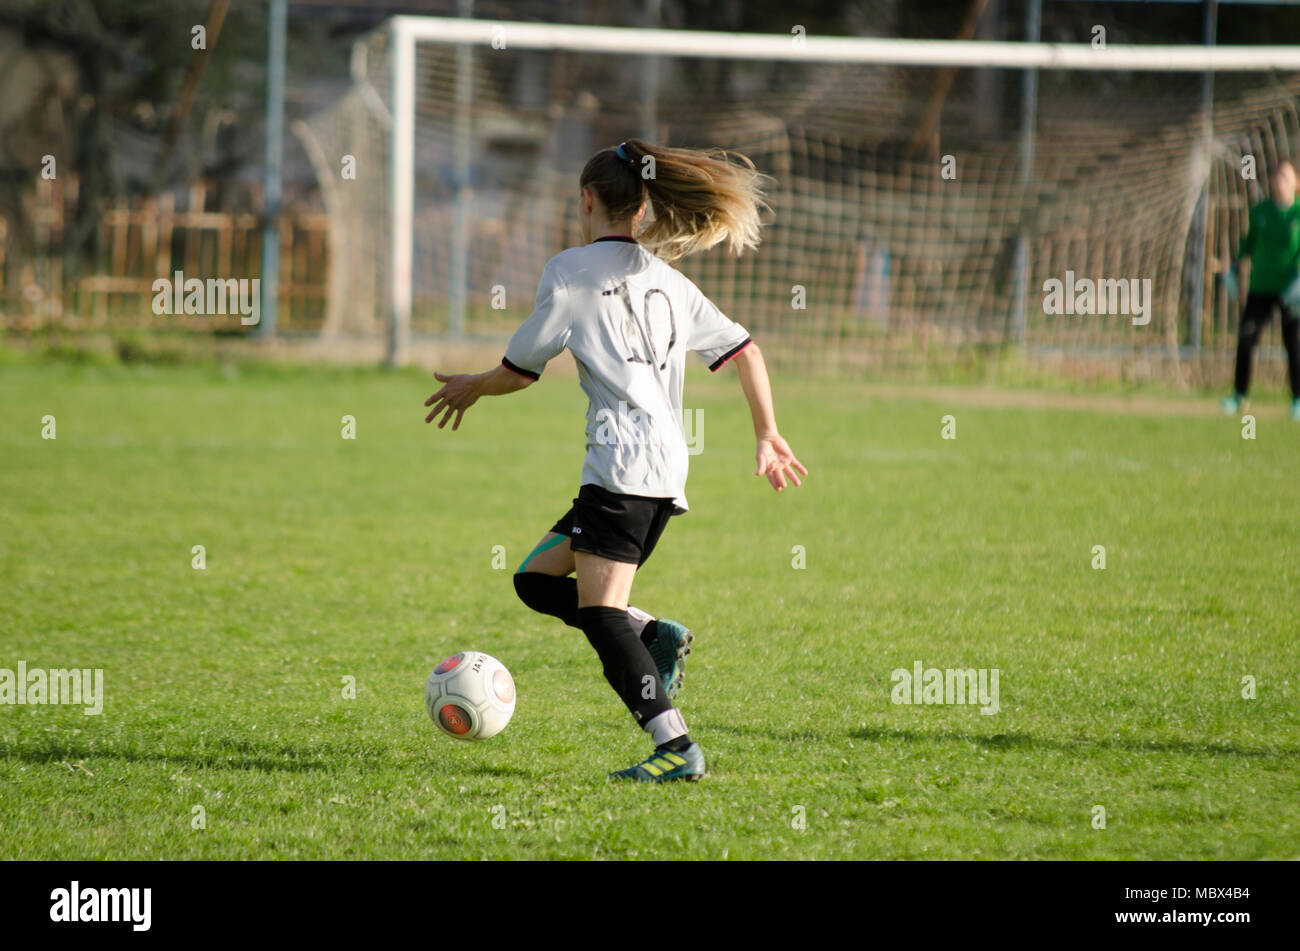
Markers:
point(1272, 244)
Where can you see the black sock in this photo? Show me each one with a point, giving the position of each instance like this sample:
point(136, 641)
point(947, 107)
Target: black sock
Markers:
point(548, 594)
point(649, 633)
point(628, 666)
point(676, 745)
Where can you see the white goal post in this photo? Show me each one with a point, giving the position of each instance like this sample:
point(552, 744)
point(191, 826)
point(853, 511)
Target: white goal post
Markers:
point(405, 32)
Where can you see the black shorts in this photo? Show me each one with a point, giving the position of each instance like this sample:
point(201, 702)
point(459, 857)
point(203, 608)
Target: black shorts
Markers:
point(618, 527)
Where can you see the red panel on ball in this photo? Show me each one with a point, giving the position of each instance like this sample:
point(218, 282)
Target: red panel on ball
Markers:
point(454, 719)
point(450, 663)
point(504, 686)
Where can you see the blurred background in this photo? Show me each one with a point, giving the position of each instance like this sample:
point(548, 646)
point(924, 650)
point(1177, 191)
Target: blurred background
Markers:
point(161, 164)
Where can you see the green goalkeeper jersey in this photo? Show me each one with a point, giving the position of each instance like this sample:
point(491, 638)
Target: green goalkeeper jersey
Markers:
point(1272, 243)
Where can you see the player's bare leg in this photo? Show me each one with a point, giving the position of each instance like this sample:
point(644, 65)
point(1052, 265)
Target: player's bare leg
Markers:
point(543, 584)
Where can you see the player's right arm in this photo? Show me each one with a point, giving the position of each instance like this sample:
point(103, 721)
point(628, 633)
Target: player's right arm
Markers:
point(719, 341)
point(1247, 246)
point(775, 458)
point(1239, 269)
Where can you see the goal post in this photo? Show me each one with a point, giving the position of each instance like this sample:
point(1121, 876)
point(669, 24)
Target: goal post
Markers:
point(401, 187)
point(908, 255)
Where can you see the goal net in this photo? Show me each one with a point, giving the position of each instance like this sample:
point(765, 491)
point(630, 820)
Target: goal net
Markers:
point(922, 203)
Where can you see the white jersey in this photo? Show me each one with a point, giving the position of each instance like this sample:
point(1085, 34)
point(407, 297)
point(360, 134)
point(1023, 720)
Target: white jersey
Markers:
point(628, 319)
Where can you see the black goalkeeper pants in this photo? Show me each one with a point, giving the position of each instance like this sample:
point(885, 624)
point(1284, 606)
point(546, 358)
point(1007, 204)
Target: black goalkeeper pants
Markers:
point(1257, 316)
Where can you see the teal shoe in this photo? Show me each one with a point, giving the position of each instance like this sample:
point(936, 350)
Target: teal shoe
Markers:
point(1295, 408)
point(669, 649)
point(1231, 404)
point(665, 767)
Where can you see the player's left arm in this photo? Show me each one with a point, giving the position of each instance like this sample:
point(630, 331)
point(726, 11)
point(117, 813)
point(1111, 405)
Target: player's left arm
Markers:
point(775, 458)
point(460, 391)
point(539, 339)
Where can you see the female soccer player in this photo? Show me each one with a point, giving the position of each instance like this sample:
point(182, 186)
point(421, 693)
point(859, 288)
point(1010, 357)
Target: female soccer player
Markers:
point(628, 319)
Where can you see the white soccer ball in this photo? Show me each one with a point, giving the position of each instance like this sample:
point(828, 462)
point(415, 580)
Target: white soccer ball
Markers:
point(470, 696)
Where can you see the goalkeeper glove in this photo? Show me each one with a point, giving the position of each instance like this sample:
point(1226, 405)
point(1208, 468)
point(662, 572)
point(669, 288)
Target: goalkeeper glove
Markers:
point(1291, 297)
point(1230, 283)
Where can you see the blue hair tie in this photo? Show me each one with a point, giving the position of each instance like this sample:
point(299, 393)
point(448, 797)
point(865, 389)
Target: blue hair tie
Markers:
point(622, 153)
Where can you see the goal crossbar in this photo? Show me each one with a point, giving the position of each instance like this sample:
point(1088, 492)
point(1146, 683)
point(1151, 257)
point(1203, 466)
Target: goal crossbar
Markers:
point(842, 49)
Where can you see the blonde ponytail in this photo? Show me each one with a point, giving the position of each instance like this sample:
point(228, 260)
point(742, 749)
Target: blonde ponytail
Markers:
point(699, 198)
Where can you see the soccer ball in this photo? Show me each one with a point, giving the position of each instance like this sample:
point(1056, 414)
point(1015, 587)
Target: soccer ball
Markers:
point(470, 696)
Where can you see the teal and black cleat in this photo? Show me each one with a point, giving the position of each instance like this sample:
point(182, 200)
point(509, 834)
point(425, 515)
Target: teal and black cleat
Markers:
point(665, 767)
point(1232, 404)
point(1295, 408)
point(669, 649)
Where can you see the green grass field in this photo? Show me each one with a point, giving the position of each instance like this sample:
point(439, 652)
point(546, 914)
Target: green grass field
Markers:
point(373, 558)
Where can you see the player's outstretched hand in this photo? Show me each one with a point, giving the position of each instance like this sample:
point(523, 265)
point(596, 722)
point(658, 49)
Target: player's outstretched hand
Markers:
point(459, 393)
point(775, 460)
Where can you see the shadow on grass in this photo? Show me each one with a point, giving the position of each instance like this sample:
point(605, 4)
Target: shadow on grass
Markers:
point(244, 755)
point(484, 769)
point(1027, 741)
point(224, 755)
point(1009, 741)
point(792, 735)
